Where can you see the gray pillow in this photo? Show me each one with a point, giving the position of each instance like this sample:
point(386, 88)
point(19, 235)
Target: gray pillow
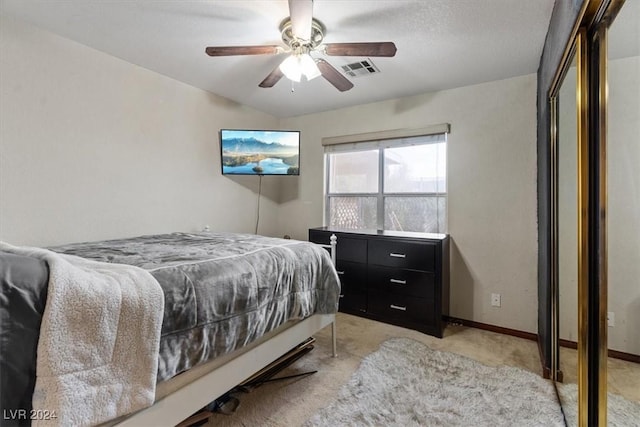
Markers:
point(23, 294)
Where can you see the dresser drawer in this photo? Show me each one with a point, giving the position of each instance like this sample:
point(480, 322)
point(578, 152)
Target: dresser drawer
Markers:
point(402, 282)
point(353, 250)
point(353, 300)
point(348, 248)
point(401, 307)
point(403, 254)
point(352, 275)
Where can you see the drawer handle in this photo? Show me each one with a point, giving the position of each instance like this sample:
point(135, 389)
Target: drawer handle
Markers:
point(340, 272)
point(395, 255)
point(397, 307)
point(399, 282)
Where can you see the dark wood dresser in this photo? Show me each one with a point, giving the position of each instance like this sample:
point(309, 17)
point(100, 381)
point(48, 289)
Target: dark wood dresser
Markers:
point(392, 276)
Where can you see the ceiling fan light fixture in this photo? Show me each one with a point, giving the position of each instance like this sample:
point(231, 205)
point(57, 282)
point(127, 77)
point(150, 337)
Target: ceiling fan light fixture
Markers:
point(309, 67)
point(299, 64)
point(290, 67)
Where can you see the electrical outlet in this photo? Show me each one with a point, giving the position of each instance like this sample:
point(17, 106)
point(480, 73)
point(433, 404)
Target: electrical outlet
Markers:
point(495, 300)
point(611, 319)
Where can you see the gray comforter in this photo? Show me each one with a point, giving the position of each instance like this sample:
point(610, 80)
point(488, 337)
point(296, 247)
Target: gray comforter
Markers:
point(223, 290)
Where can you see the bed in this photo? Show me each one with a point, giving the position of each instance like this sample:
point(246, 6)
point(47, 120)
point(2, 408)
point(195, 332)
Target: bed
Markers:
point(232, 304)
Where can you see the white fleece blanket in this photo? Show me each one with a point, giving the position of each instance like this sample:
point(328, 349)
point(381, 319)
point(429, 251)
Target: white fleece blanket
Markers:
point(98, 349)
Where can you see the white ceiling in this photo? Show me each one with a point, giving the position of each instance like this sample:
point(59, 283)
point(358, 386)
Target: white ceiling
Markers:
point(442, 44)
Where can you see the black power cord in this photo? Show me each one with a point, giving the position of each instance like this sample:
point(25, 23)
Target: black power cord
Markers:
point(258, 213)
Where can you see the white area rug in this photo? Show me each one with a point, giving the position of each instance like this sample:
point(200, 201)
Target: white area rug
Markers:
point(405, 383)
point(620, 411)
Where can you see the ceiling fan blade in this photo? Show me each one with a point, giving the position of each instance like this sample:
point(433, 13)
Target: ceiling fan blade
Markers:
point(273, 78)
point(333, 76)
point(301, 13)
point(361, 49)
point(242, 50)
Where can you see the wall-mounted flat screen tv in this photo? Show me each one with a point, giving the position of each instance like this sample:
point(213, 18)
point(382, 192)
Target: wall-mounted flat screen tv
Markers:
point(260, 152)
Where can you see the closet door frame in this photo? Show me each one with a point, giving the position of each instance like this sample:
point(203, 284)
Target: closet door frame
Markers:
point(589, 45)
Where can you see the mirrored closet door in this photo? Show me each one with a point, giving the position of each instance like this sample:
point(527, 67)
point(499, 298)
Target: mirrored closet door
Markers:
point(595, 198)
point(567, 224)
point(623, 202)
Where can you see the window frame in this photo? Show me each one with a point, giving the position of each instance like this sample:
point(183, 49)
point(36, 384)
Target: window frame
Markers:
point(381, 195)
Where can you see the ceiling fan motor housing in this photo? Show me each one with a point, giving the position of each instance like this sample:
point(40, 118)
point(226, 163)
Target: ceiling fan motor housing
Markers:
point(295, 43)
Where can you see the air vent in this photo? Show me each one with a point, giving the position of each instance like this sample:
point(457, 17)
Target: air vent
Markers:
point(362, 68)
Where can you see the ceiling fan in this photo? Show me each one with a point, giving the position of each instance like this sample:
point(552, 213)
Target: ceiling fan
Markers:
point(302, 34)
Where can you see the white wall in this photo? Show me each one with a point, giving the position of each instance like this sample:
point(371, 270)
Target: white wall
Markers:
point(92, 147)
point(491, 183)
point(623, 215)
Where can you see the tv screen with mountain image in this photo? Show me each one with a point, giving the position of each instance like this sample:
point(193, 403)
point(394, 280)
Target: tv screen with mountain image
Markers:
point(260, 152)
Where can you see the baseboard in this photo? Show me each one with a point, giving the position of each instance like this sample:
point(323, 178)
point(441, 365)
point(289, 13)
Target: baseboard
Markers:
point(629, 357)
point(615, 354)
point(499, 329)
point(568, 344)
point(534, 337)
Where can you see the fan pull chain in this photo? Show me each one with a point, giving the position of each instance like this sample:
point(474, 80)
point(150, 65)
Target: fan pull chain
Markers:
point(293, 89)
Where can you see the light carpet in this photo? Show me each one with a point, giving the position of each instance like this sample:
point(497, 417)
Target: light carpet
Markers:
point(405, 383)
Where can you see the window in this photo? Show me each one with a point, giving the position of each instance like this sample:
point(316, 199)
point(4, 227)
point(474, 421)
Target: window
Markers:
point(395, 184)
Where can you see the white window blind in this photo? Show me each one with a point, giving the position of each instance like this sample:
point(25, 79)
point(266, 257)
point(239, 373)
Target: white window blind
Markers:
point(391, 184)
